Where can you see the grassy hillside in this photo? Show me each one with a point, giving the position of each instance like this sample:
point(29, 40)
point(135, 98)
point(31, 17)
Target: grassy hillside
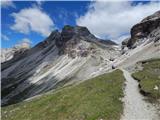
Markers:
point(94, 99)
point(149, 78)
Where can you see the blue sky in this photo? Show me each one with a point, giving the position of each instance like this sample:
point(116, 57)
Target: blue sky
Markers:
point(60, 12)
point(26, 21)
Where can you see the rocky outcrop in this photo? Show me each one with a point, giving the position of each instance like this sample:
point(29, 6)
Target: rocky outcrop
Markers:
point(125, 42)
point(145, 29)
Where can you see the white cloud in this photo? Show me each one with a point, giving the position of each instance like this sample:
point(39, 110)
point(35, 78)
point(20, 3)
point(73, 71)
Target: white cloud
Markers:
point(39, 2)
point(4, 37)
point(114, 19)
point(32, 19)
point(24, 43)
point(7, 3)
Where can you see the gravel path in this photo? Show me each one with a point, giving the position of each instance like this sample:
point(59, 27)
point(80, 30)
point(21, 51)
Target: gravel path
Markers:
point(135, 107)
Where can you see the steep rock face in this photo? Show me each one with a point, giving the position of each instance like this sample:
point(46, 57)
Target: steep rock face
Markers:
point(144, 42)
point(64, 57)
point(145, 30)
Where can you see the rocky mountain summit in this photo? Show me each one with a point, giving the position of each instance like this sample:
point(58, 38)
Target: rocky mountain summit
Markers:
point(63, 58)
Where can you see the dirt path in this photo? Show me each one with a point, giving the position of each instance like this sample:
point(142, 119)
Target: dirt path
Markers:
point(135, 107)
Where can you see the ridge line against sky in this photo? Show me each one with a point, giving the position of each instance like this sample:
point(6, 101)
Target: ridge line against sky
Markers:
point(104, 19)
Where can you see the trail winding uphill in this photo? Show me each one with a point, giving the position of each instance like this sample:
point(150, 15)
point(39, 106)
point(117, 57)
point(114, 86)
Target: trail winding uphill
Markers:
point(135, 107)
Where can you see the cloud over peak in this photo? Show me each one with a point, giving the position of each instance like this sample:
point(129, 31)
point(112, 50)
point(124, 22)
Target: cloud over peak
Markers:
point(32, 19)
point(113, 19)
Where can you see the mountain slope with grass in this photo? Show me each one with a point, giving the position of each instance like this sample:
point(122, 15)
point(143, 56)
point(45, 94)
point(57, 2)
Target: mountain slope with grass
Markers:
point(94, 99)
point(149, 78)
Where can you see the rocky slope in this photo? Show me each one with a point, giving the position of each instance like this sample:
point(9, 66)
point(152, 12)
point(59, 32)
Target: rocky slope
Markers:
point(144, 42)
point(147, 29)
point(64, 57)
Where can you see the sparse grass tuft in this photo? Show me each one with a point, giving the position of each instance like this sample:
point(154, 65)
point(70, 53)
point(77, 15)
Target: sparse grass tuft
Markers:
point(94, 99)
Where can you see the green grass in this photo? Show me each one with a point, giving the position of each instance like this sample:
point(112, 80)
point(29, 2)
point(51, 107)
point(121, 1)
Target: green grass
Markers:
point(149, 77)
point(94, 99)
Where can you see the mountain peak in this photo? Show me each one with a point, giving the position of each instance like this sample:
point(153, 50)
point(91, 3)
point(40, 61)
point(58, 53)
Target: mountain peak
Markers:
point(76, 29)
point(69, 31)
